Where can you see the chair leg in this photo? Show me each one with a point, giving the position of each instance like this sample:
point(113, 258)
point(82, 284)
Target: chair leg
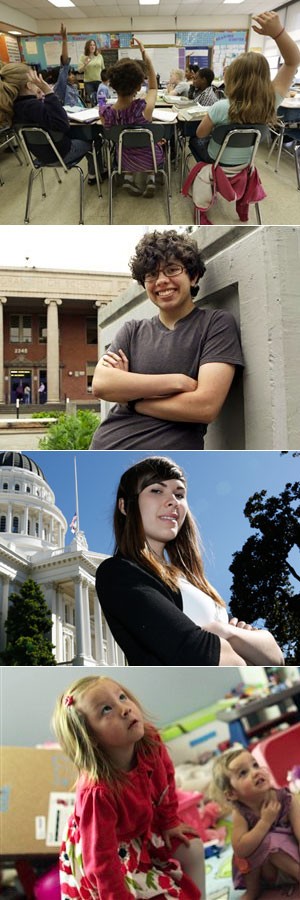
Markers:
point(95, 160)
point(297, 163)
point(43, 183)
point(258, 215)
point(81, 193)
point(166, 180)
point(110, 196)
point(32, 175)
point(58, 176)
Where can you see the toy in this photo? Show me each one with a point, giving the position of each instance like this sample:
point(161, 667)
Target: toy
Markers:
point(202, 818)
point(47, 887)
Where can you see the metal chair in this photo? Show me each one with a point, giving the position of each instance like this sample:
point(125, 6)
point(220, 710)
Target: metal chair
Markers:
point(33, 138)
point(239, 136)
point(287, 126)
point(121, 137)
point(9, 138)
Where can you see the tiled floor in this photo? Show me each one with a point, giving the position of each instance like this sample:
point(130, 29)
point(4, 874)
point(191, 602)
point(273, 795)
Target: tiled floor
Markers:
point(61, 206)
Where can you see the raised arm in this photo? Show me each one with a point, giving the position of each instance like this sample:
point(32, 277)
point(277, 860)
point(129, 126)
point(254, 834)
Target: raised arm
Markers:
point(113, 382)
point(201, 405)
point(270, 25)
point(64, 45)
point(152, 83)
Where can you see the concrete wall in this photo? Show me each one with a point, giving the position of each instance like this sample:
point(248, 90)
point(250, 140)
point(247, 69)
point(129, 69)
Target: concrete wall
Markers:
point(255, 273)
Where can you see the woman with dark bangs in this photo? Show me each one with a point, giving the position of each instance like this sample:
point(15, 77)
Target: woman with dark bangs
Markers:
point(168, 376)
point(251, 97)
point(154, 593)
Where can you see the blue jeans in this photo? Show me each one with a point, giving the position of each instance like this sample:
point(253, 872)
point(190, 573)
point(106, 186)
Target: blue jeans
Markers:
point(79, 149)
point(199, 146)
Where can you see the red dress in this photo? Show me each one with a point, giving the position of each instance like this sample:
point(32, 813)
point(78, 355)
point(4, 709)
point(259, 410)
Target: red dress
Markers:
point(114, 847)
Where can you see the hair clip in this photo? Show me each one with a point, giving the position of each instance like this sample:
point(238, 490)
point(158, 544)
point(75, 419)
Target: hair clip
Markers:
point(69, 700)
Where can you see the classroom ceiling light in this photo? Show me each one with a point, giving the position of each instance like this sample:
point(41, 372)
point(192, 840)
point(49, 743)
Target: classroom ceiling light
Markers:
point(14, 32)
point(149, 2)
point(61, 2)
point(233, 1)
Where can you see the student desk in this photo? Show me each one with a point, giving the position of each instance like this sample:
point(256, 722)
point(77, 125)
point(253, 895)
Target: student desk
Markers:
point(241, 732)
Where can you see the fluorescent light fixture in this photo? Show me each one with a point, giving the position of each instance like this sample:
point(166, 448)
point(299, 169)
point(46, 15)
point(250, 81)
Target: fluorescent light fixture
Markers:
point(14, 32)
point(233, 1)
point(149, 2)
point(61, 2)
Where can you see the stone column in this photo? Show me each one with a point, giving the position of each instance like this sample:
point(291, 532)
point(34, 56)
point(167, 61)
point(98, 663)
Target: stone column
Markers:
point(9, 518)
point(2, 301)
point(4, 610)
point(25, 520)
point(52, 350)
point(82, 622)
point(49, 591)
point(99, 642)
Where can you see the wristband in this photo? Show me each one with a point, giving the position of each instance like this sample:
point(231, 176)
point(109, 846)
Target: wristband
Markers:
point(278, 35)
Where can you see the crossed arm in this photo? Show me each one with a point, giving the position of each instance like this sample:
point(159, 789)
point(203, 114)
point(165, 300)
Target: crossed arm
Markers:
point(172, 397)
point(256, 646)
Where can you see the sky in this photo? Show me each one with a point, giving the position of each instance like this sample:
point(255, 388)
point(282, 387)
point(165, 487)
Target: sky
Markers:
point(57, 247)
point(219, 484)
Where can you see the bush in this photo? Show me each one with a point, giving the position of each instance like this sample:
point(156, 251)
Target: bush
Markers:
point(71, 432)
point(51, 414)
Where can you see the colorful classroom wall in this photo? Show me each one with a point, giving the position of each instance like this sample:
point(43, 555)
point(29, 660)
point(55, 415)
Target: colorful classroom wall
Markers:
point(215, 48)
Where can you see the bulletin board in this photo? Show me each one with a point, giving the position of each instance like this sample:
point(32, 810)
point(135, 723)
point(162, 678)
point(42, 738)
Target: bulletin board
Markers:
point(163, 58)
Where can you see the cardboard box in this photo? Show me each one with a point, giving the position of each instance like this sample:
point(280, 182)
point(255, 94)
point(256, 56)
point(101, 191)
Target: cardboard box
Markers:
point(28, 777)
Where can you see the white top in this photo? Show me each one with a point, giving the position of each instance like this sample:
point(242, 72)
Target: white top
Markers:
point(199, 607)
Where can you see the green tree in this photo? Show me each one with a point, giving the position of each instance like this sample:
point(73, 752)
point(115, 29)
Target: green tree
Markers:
point(71, 432)
point(262, 587)
point(28, 627)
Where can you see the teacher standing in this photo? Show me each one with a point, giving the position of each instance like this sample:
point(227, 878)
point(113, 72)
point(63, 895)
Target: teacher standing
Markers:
point(91, 64)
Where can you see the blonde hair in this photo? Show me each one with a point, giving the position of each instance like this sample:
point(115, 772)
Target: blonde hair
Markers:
point(220, 784)
point(72, 731)
point(13, 77)
point(180, 74)
point(249, 90)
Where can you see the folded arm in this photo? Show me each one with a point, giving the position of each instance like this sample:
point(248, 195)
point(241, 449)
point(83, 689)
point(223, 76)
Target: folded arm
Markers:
point(200, 405)
point(113, 382)
point(205, 128)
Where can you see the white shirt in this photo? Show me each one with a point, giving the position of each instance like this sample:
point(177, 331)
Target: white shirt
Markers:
point(199, 607)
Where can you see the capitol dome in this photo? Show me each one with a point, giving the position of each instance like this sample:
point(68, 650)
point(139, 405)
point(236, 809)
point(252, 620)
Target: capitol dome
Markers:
point(29, 519)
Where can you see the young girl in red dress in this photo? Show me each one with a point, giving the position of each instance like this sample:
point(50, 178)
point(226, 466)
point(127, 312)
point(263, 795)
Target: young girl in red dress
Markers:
point(125, 838)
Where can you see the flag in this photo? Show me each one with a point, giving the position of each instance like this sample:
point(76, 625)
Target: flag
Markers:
point(73, 524)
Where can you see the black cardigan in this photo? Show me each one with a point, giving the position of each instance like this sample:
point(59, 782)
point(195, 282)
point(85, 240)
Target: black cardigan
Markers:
point(146, 618)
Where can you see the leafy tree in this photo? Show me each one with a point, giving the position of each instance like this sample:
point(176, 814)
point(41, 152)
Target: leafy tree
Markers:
point(71, 432)
point(261, 588)
point(28, 626)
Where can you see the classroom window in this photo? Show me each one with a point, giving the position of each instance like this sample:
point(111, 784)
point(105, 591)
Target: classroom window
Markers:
point(15, 524)
point(20, 330)
point(90, 368)
point(42, 329)
point(2, 523)
point(91, 330)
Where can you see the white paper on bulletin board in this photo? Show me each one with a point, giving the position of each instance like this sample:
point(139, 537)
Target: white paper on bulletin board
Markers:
point(52, 51)
point(156, 38)
point(164, 59)
point(31, 47)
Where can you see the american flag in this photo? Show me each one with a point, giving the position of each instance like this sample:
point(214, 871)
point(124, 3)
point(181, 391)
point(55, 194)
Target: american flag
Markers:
point(73, 524)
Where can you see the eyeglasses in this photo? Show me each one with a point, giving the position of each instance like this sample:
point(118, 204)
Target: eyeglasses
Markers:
point(170, 270)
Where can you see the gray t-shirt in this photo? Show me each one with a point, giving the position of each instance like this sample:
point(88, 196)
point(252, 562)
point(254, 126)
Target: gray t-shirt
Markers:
point(204, 335)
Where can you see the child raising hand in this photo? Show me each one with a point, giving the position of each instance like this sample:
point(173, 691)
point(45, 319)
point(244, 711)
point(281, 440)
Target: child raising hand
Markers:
point(266, 823)
point(125, 838)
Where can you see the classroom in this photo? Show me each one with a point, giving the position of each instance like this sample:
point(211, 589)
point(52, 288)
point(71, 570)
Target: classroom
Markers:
point(197, 718)
point(176, 39)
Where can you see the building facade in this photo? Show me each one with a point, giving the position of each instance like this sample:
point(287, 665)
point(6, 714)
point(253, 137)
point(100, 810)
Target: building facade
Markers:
point(32, 545)
point(48, 332)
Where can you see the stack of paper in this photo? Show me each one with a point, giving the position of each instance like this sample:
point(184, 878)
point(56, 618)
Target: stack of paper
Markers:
point(194, 112)
point(82, 115)
point(164, 115)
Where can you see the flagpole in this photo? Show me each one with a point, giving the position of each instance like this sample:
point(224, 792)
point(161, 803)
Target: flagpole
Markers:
point(76, 497)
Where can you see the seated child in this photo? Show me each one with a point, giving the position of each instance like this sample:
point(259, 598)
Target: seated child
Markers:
point(266, 823)
point(104, 91)
point(127, 77)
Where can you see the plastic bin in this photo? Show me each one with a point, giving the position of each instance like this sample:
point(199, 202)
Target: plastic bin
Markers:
point(279, 752)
